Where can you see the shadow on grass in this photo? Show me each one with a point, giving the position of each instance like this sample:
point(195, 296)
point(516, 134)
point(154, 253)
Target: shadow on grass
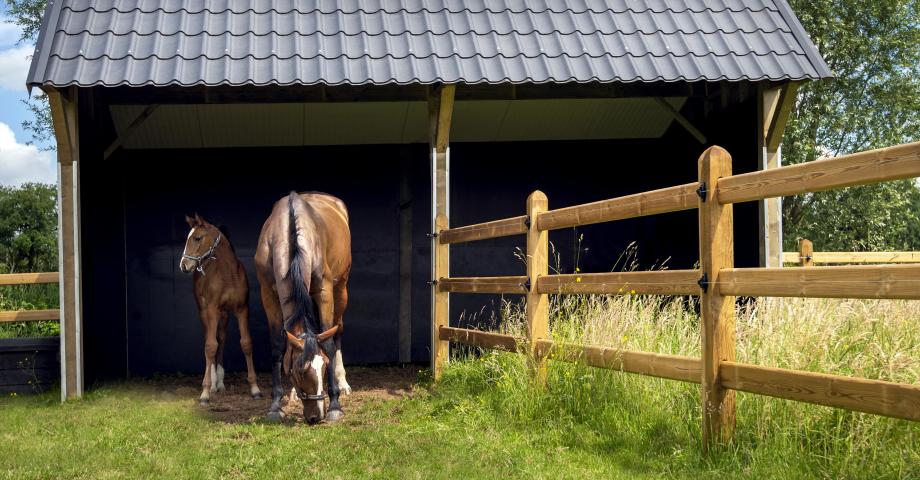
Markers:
point(234, 405)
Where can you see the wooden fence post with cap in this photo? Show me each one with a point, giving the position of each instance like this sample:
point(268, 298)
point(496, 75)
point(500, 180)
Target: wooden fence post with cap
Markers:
point(717, 312)
point(806, 253)
point(537, 309)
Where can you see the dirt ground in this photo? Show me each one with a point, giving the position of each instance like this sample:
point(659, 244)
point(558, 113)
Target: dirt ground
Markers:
point(234, 405)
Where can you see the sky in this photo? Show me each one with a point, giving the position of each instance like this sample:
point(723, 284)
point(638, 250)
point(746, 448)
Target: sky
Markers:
point(19, 162)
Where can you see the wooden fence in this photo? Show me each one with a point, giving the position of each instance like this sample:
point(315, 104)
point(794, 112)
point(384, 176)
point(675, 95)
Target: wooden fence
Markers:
point(716, 282)
point(807, 257)
point(29, 279)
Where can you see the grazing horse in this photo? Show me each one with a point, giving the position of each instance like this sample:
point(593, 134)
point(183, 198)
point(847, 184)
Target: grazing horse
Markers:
point(302, 261)
point(220, 287)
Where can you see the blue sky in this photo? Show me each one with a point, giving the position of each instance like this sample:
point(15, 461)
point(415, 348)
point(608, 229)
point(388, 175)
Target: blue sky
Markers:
point(19, 162)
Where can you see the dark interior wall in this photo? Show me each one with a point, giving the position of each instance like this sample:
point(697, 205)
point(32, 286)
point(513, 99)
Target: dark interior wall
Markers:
point(139, 314)
point(492, 181)
point(141, 234)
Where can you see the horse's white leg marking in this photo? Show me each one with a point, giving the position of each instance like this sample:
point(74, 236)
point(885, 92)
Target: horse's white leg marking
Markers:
point(317, 365)
point(340, 374)
point(213, 378)
point(293, 395)
point(220, 378)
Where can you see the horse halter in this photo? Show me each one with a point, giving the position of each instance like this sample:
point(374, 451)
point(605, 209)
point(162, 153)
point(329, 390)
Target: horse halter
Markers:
point(209, 255)
point(315, 397)
point(320, 337)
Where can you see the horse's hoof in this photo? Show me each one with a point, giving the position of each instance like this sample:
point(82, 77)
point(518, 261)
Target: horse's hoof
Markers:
point(334, 415)
point(204, 402)
point(273, 416)
point(257, 395)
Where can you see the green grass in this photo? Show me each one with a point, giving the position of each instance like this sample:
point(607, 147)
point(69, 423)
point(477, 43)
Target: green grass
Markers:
point(129, 430)
point(486, 419)
point(29, 297)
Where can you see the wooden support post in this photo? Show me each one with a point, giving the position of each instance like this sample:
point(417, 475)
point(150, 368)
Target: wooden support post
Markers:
point(440, 111)
point(717, 311)
point(774, 105)
point(64, 119)
point(537, 310)
point(806, 253)
point(440, 349)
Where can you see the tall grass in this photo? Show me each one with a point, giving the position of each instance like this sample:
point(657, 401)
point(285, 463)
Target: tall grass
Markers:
point(624, 414)
point(29, 297)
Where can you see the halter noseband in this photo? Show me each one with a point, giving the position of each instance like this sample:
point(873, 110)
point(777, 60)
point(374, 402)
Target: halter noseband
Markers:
point(209, 255)
point(316, 397)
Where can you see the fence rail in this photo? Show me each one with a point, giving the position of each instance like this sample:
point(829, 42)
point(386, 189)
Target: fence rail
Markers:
point(665, 200)
point(716, 282)
point(29, 279)
point(806, 256)
point(663, 282)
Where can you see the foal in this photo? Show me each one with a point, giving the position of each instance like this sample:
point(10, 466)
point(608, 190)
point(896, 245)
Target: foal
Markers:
point(220, 287)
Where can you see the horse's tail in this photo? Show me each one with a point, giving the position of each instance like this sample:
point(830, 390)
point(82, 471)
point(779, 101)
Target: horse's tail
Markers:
point(304, 309)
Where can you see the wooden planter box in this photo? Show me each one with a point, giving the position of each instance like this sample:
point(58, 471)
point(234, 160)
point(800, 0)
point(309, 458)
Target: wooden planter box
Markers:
point(29, 365)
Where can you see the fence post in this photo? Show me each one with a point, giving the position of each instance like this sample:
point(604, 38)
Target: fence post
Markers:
point(537, 309)
point(717, 311)
point(440, 349)
point(806, 253)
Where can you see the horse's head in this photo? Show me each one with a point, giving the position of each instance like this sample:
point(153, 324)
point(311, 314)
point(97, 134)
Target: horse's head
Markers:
point(202, 240)
point(307, 367)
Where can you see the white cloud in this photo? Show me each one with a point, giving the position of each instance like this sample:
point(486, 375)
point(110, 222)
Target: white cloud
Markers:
point(9, 32)
point(20, 163)
point(14, 67)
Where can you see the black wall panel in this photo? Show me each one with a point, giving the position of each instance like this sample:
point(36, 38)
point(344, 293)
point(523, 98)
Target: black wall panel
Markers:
point(139, 314)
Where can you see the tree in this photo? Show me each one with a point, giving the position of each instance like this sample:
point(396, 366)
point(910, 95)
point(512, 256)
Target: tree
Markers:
point(27, 14)
point(873, 48)
point(28, 228)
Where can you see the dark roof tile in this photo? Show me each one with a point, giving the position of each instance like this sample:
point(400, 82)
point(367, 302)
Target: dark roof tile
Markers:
point(195, 42)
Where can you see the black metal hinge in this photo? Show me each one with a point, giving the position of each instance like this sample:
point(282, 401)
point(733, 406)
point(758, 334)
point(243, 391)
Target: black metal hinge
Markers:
point(703, 282)
point(702, 191)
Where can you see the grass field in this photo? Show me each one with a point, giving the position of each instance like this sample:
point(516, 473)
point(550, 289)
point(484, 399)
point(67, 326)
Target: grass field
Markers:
point(487, 420)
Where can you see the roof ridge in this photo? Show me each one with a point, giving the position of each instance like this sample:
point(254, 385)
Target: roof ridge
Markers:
point(273, 10)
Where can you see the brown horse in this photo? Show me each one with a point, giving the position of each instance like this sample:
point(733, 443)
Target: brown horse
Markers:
point(302, 261)
point(220, 287)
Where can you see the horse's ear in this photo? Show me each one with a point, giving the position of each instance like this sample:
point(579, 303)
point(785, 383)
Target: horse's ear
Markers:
point(190, 221)
point(198, 219)
point(293, 330)
point(294, 341)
